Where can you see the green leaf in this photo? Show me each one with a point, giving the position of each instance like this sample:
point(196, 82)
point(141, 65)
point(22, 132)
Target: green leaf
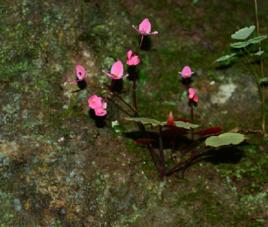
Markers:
point(185, 125)
point(257, 39)
point(243, 33)
point(225, 139)
point(239, 45)
point(246, 43)
point(225, 58)
point(145, 121)
point(259, 53)
point(263, 81)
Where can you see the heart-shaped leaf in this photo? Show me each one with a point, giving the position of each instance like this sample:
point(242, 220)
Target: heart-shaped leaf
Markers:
point(225, 139)
point(243, 33)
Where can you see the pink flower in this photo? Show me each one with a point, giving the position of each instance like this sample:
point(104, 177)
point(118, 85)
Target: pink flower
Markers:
point(98, 105)
point(192, 96)
point(186, 72)
point(145, 28)
point(117, 71)
point(80, 72)
point(132, 58)
point(94, 102)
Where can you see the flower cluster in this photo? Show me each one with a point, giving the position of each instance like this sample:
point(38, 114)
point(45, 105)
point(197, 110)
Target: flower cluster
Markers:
point(117, 70)
point(97, 106)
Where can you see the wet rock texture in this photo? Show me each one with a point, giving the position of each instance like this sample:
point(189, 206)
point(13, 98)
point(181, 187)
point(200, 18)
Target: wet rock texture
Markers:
point(58, 169)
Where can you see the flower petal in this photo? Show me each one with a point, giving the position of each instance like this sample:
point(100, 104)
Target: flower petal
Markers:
point(100, 112)
point(80, 72)
point(129, 54)
point(191, 93)
point(145, 27)
point(94, 102)
point(134, 60)
point(109, 75)
point(117, 69)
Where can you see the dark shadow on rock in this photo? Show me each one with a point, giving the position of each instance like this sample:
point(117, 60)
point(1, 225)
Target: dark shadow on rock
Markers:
point(230, 155)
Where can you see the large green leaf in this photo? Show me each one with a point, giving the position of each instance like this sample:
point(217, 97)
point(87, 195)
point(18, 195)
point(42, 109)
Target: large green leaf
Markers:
point(243, 44)
point(185, 125)
point(243, 33)
point(144, 120)
point(225, 139)
point(226, 58)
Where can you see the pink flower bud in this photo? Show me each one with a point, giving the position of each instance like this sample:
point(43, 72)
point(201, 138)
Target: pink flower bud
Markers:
point(80, 72)
point(186, 72)
point(192, 96)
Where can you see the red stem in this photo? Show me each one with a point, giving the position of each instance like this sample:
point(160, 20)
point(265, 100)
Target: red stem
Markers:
point(161, 155)
point(192, 119)
point(192, 113)
point(141, 40)
point(134, 97)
